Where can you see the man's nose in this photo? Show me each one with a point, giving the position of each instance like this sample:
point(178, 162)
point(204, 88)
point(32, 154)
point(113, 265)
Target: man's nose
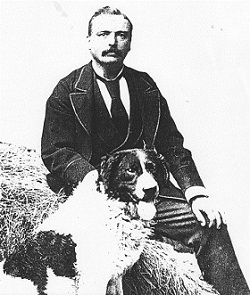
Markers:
point(112, 39)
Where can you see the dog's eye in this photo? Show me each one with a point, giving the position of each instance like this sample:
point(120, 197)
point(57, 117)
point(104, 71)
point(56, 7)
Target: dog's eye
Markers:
point(131, 170)
point(151, 167)
point(129, 174)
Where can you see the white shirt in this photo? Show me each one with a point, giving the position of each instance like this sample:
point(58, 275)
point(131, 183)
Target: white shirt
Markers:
point(124, 92)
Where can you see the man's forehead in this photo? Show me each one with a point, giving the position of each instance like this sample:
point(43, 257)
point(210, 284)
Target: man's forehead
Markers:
point(112, 23)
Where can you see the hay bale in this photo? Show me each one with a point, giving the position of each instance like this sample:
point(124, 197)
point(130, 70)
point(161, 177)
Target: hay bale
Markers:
point(25, 198)
point(163, 271)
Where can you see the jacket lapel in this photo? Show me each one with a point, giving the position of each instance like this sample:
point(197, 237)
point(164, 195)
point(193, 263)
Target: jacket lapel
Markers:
point(88, 105)
point(146, 95)
point(81, 99)
point(149, 104)
point(151, 117)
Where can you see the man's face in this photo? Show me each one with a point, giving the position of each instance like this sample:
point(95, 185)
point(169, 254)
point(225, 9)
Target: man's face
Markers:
point(110, 39)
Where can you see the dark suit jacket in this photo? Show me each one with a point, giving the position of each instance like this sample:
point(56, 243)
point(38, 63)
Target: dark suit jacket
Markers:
point(67, 140)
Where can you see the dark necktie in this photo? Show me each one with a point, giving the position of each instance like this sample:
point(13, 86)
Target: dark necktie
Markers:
point(118, 112)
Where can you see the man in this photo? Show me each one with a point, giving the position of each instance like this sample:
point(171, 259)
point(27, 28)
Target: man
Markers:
point(104, 107)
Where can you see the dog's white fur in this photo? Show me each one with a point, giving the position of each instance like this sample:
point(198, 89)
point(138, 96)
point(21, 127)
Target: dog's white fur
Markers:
point(84, 216)
point(98, 226)
point(60, 285)
point(10, 285)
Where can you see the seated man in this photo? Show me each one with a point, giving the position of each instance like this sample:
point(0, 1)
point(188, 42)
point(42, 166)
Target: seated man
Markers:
point(104, 107)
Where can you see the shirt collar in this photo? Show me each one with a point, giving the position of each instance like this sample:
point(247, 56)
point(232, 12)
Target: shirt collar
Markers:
point(98, 72)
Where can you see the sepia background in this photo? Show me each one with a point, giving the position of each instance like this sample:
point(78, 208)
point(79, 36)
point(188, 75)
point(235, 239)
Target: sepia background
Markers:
point(196, 51)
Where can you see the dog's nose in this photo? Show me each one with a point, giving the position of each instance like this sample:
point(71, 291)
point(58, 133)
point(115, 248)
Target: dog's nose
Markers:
point(150, 193)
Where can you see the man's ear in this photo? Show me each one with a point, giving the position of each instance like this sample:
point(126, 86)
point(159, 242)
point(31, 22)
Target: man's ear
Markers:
point(88, 41)
point(129, 46)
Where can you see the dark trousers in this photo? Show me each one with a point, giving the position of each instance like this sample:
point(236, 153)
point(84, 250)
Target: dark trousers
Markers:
point(213, 247)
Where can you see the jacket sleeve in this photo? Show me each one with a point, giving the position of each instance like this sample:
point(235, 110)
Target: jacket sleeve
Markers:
point(67, 167)
point(169, 142)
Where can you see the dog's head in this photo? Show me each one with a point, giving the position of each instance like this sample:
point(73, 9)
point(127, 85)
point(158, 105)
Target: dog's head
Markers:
point(134, 176)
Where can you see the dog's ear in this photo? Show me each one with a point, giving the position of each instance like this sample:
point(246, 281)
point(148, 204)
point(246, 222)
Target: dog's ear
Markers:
point(109, 165)
point(165, 167)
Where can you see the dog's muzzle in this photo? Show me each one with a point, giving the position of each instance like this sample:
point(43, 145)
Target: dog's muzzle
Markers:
point(146, 188)
point(146, 193)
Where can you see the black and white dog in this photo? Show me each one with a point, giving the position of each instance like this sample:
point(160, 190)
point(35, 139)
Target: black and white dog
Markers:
point(135, 176)
point(98, 233)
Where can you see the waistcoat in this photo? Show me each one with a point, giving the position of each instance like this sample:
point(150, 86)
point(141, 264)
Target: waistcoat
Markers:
point(105, 137)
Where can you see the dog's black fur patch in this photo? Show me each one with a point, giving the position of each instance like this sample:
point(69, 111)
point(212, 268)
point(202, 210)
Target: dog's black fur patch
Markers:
point(47, 249)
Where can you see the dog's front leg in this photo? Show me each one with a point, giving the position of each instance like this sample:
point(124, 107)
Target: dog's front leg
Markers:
point(114, 286)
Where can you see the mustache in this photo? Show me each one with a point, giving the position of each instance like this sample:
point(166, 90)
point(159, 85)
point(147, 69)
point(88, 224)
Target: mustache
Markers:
point(112, 50)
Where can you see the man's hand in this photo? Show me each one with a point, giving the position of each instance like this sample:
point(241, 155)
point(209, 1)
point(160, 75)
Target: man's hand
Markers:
point(206, 213)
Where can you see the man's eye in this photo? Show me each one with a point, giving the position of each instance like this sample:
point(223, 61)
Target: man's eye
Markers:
point(102, 34)
point(122, 35)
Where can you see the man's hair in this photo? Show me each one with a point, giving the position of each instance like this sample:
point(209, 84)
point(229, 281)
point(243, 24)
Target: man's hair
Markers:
point(108, 11)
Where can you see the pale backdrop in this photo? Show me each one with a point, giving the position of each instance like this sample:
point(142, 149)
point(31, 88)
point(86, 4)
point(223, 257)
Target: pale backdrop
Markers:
point(197, 52)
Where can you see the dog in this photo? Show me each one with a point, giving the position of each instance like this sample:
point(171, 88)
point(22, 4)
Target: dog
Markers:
point(99, 232)
point(135, 176)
